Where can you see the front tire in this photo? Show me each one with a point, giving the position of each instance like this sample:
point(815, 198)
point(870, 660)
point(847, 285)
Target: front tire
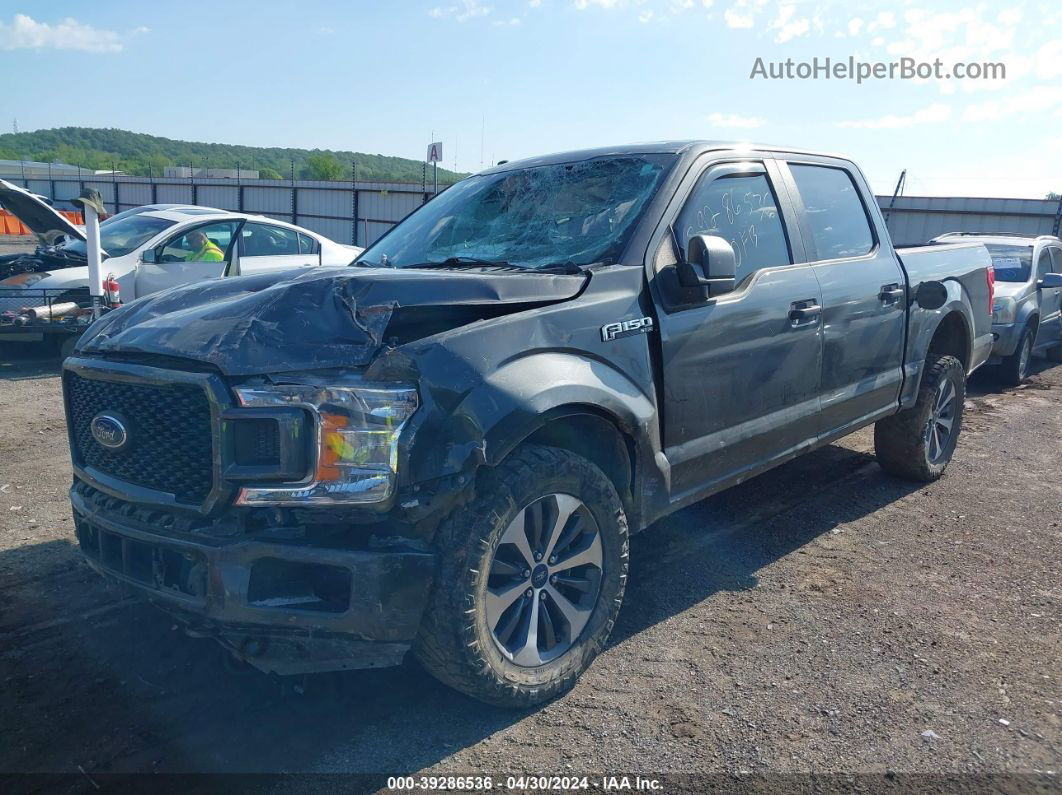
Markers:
point(917, 443)
point(531, 580)
point(1015, 368)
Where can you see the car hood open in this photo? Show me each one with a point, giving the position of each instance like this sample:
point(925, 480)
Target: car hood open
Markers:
point(327, 317)
point(42, 220)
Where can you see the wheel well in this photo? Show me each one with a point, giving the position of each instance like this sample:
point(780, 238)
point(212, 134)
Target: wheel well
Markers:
point(596, 439)
point(952, 338)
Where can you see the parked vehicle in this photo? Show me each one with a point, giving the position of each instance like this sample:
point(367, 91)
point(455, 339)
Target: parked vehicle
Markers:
point(148, 249)
point(1027, 312)
point(445, 447)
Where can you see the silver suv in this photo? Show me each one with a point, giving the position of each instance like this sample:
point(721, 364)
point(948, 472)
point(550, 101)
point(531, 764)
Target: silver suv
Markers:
point(1027, 312)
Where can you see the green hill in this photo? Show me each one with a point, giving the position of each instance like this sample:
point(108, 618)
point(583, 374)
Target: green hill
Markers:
point(137, 153)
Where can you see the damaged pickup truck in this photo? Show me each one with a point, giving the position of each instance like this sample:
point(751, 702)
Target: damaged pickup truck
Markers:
point(444, 447)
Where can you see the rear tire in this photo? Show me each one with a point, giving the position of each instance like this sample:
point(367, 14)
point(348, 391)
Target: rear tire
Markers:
point(476, 640)
point(917, 443)
point(1015, 368)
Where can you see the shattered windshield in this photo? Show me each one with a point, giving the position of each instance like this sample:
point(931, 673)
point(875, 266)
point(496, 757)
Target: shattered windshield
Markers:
point(545, 216)
point(119, 236)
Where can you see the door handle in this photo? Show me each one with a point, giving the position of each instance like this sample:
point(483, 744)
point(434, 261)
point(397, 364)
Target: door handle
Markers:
point(891, 293)
point(803, 313)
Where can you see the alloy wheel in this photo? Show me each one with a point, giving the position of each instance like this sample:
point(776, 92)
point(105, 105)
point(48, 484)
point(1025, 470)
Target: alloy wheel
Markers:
point(941, 424)
point(544, 580)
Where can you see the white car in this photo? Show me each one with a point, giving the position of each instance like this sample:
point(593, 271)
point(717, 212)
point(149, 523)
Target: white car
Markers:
point(150, 248)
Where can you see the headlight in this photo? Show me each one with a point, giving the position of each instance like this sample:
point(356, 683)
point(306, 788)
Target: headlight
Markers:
point(23, 279)
point(355, 446)
point(1004, 310)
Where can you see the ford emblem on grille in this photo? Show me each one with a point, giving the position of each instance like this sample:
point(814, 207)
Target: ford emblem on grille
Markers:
point(109, 431)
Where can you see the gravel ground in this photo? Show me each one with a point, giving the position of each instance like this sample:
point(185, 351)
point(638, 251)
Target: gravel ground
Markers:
point(822, 617)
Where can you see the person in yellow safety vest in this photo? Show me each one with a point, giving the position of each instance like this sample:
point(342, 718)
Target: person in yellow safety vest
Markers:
point(205, 249)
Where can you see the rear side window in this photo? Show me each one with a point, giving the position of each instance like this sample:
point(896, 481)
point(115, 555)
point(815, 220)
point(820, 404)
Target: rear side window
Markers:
point(743, 211)
point(307, 245)
point(1056, 255)
point(835, 211)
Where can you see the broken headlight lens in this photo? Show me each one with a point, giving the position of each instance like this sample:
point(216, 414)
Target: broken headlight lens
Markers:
point(355, 446)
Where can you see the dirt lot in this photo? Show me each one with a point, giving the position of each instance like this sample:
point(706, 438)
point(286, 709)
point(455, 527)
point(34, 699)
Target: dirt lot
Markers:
point(823, 617)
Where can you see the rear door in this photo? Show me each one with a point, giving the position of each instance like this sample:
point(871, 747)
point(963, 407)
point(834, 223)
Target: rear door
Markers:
point(265, 247)
point(741, 370)
point(864, 302)
point(176, 261)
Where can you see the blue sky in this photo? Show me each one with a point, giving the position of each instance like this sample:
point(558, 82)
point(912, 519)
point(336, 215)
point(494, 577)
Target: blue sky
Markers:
point(510, 78)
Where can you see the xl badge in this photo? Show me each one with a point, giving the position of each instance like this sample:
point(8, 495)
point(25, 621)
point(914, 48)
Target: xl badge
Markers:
point(109, 431)
point(626, 328)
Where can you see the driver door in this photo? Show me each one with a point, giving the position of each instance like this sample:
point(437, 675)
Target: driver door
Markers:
point(174, 261)
point(741, 371)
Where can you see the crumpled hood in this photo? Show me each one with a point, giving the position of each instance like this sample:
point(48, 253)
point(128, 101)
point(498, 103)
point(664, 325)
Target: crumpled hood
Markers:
point(324, 317)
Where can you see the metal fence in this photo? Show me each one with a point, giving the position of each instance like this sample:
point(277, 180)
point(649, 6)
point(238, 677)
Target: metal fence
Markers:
point(916, 219)
point(354, 212)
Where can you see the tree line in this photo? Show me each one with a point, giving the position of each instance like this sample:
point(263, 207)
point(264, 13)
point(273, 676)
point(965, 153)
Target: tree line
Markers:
point(148, 155)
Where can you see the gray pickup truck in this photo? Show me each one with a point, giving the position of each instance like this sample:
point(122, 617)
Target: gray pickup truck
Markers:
point(444, 447)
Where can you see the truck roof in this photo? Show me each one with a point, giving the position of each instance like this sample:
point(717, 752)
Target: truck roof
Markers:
point(695, 146)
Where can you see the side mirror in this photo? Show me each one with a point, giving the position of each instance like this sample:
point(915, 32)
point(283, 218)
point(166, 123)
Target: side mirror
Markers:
point(931, 295)
point(714, 257)
point(1050, 280)
point(148, 255)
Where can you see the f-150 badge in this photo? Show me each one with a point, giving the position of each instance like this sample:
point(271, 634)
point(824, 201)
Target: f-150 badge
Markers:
point(626, 328)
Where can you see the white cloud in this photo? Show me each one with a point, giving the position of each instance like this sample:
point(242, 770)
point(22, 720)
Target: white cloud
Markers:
point(534, 3)
point(855, 25)
point(933, 114)
point(506, 23)
point(733, 121)
point(883, 21)
point(1039, 99)
point(735, 19)
point(645, 16)
point(462, 11)
point(582, 4)
point(26, 33)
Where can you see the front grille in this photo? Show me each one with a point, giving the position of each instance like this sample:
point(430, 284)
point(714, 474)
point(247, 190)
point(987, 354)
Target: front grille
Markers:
point(169, 446)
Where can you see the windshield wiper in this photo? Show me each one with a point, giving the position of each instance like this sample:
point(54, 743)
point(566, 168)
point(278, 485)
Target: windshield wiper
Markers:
point(466, 262)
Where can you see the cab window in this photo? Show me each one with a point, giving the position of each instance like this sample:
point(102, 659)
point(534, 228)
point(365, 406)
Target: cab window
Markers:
point(742, 210)
point(835, 212)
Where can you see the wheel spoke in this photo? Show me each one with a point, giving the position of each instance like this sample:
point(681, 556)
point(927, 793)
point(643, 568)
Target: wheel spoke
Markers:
point(528, 653)
point(947, 392)
point(505, 629)
point(575, 615)
point(516, 534)
point(934, 443)
point(503, 568)
point(581, 584)
point(498, 601)
point(549, 632)
point(592, 554)
point(945, 423)
point(566, 506)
